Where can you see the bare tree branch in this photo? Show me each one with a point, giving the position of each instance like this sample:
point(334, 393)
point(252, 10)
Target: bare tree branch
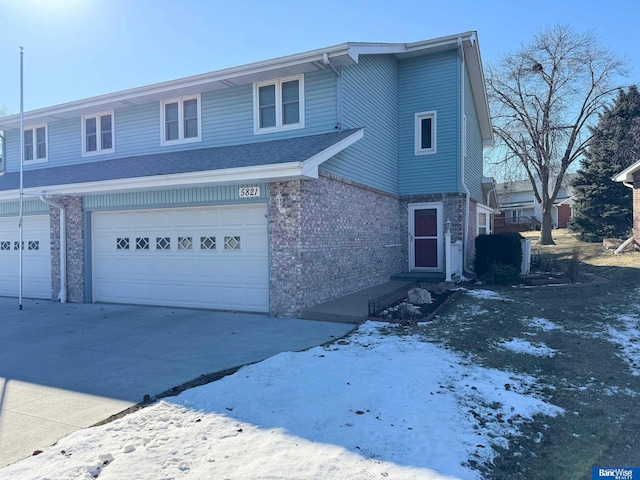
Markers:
point(544, 97)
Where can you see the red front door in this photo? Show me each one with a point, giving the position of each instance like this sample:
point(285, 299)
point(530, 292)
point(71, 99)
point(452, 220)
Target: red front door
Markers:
point(426, 238)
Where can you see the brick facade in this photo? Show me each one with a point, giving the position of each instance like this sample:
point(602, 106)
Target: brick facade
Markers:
point(75, 249)
point(334, 238)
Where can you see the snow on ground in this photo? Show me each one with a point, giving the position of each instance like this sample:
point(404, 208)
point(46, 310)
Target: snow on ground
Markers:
point(541, 323)
point(376, 405)
point(628, 338)
point(520, 345)
point(485, 294)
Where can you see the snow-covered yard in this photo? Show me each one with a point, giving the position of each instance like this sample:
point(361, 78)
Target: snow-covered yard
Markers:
point(375, 405)
point(385, 402)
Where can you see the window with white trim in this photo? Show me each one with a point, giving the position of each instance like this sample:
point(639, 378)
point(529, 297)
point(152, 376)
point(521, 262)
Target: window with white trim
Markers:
point(181, 120)
point(483, 221)
point(98, 133)
point(279, 104)
point(425, 133)
point(36, 144)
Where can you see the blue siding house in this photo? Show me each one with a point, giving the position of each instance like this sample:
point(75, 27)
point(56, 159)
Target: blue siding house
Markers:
point(267, 187)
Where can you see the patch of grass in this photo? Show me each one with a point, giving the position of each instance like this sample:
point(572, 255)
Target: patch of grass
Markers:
point(587, 377)
point(593, 257)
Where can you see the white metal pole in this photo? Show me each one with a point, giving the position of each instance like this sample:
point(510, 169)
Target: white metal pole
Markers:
point(20, 224)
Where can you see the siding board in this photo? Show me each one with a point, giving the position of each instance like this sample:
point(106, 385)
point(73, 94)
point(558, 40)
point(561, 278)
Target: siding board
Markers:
point(370, 100)
point(227, 119)
point(430, 83)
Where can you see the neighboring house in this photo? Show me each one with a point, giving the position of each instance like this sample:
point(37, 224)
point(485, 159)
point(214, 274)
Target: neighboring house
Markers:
point(520, 211)
point(631, 178)
point(267, 187)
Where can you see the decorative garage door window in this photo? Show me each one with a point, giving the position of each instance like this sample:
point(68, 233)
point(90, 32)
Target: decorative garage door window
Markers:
point(16, 245)
point(4, 245)
point(122, 244)
point(33, 245)
point(142, 243)
point(185, 243)
point(163, 243)
point(232, 243)
point(207, 243)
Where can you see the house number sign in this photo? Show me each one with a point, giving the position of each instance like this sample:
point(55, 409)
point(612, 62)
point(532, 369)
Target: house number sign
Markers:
point(249, 192)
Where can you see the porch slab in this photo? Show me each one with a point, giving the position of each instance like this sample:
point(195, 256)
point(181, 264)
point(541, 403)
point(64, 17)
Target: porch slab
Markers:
point(354, 307)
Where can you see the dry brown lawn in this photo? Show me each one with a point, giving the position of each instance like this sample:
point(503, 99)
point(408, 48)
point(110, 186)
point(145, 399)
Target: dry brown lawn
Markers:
point(593, 257)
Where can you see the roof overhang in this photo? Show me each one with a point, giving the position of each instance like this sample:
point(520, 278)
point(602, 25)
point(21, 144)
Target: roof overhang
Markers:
point(627, 174)
point(306, 62)
point(306, 168)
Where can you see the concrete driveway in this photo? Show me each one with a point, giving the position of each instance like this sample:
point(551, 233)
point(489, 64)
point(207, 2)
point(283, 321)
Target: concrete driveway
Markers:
point(68, 366)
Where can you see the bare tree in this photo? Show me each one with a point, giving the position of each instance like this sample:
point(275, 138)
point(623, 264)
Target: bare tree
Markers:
point(543, 99)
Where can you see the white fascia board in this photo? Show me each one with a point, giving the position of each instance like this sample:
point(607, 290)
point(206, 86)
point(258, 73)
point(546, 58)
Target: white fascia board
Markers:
point(90, 104)
point(263, 173)
point(627, 174)
point(310, 165)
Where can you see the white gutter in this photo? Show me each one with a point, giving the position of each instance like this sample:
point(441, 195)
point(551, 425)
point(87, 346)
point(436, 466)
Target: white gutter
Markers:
point(467, 203)
point(63, 247)
point(627, 184)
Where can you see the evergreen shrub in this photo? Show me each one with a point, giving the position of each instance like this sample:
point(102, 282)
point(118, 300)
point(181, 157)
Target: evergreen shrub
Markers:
point(499, 254)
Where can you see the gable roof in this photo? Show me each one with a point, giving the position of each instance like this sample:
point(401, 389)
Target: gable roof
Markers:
point(627, 174)
point(319, 59)
point(292, 158)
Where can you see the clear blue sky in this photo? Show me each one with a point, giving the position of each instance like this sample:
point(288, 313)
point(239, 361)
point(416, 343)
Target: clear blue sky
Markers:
point(80, 48)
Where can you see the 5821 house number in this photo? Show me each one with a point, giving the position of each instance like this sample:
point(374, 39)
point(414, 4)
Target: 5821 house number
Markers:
point(249, 192)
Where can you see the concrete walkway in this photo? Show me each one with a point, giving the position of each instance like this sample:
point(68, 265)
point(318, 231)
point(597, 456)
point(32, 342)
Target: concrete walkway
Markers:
point(66, 367)
point(354, 308)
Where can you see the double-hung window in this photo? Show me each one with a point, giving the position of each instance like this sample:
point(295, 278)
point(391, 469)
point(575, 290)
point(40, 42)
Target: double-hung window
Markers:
point(181, 120)
point(425, 133)
point(98, 134)
point(279, 104)
point(35, 144)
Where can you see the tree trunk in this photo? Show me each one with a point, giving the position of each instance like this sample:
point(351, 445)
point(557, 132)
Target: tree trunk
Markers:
point(546, 228)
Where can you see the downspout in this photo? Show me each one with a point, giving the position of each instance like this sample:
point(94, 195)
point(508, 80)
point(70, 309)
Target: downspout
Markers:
point(63, 247)
point(327, 62)
point(627, 184)
point(467, 203)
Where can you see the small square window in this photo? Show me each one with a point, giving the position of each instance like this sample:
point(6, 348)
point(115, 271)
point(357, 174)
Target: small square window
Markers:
point(425, 133)
point(185, 243)
point(207, 243)
point(4, 246)
point(122, 244)
point(16, 245)
point(142, 243)
point(163, 243)
point(232, 243)
point(33, 245)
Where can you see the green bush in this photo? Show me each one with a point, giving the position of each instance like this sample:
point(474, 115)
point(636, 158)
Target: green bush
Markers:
point(501, 275)
point(493, 252)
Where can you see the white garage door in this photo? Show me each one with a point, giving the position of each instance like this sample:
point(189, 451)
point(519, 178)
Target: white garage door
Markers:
point(209, 257)
point(36, 258)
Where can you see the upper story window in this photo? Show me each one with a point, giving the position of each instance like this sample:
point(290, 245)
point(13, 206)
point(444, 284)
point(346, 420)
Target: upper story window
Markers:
point(181, 120)
point(35, 144)
point(98, 133)
point(425, 133)
point(279, 104)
